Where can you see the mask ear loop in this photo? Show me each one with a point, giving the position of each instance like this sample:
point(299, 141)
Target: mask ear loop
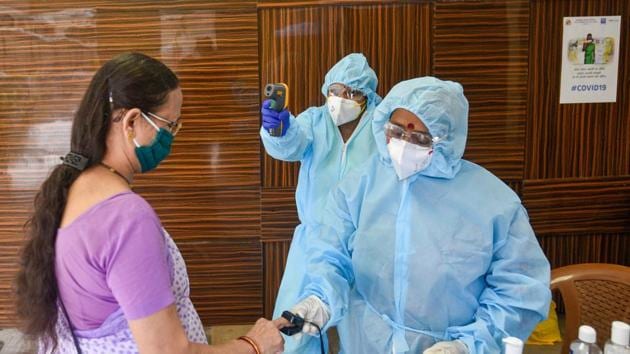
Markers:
point(150, 121)
point(363, 106)
point(135, 142)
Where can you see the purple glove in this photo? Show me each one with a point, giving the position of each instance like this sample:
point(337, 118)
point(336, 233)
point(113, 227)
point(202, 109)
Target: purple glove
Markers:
point(271, 119)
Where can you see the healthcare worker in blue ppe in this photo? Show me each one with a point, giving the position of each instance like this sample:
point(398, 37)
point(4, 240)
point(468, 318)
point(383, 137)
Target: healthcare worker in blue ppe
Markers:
point(328, 140)
point(419, 250)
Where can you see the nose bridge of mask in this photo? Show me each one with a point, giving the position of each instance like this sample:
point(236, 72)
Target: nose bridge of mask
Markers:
point(342, 102)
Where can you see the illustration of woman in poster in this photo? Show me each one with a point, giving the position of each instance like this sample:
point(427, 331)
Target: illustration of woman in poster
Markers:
point(588, 47)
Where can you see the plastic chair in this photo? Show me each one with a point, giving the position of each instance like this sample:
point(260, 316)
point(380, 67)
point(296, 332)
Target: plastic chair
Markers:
point(594, 294)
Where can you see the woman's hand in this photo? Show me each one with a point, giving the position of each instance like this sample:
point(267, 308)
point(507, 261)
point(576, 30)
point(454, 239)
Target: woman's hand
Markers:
point(162, 332)
point(266, 335)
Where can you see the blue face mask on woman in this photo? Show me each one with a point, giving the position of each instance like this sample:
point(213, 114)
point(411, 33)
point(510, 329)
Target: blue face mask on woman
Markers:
point(151, 155)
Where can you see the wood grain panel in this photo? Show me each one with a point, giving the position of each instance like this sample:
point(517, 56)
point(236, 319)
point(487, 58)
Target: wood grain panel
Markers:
point(278, 214)
point(225, 279)
point(483, 45)
point(623, 87)
point(574, 140)
point(307, 3)
point(566, 249)
point(212, 48)
point(278, 222)
point(394, 38)
point(297, 46)
point(579, 206)
point(49, 52)
point(14, 207)
point(275, 258)
point(206, 214)
point(517, 186)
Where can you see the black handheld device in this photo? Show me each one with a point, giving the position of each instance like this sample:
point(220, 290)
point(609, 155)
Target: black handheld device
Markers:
point(297, 324)
point(296, 321)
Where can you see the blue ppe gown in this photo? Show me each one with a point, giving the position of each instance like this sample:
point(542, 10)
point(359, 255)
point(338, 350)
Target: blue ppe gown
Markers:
point(313, 139)
point(446, 254)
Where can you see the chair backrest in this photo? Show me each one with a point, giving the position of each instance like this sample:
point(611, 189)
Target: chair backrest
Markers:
point(593, 294)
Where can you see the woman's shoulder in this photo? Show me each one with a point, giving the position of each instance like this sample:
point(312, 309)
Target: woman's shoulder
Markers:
point(119, 208)
point(129, 205)
point(127, 216)
point(131, 199)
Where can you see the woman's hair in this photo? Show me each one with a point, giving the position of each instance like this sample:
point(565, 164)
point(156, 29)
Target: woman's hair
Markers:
point(130, 80)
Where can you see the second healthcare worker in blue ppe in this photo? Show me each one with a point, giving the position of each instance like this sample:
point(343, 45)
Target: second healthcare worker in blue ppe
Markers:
point(328, 141)
point(419, 250)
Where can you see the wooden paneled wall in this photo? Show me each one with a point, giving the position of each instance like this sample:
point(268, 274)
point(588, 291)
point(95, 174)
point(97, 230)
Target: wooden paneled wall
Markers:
point(484, 47)
point(577, 156)
point(229, 206)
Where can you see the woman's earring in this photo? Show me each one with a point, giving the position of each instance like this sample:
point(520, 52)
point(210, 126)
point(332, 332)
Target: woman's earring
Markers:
point(130, 135)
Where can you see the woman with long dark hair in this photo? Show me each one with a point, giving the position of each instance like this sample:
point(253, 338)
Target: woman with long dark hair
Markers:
point(98, 272)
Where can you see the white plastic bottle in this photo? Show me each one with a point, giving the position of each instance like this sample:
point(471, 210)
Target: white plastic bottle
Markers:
point(513, 345)
point(619, 339)
point(585, 344)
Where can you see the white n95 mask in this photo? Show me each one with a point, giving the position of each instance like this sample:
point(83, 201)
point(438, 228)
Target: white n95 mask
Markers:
point(342, 110)
point(408, 159)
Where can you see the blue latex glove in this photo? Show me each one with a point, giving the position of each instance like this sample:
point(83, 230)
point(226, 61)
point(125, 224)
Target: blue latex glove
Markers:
point(271, 119)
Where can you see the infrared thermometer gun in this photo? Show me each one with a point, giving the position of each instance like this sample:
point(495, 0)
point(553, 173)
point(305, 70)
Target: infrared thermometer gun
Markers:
point(279, 96)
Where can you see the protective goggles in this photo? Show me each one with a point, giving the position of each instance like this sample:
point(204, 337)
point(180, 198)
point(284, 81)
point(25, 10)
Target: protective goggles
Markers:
point(418, 138)
point(343, 91)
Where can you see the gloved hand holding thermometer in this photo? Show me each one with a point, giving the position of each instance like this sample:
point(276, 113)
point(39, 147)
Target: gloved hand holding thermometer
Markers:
point(275, 116)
